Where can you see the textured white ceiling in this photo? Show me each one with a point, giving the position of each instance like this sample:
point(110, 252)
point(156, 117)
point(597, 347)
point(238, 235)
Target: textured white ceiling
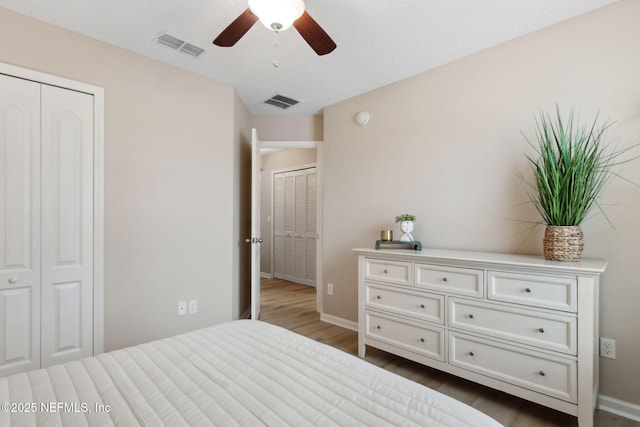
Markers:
point(379, 41)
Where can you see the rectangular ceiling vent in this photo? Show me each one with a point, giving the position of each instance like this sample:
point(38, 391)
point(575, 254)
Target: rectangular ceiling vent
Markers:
point(281, 101)
point(182, 46)
point(192, 50)
point(170, 41)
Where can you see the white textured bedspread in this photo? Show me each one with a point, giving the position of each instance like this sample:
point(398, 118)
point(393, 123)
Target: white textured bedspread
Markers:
point(242, 373)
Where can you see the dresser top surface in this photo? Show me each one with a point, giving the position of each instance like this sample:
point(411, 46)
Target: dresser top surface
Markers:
point(586, 265)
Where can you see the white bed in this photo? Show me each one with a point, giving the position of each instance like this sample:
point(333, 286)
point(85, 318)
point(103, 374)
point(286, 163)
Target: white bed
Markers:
point(242, 373)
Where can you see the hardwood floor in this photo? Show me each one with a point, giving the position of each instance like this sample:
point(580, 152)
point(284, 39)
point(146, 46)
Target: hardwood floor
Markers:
point(293, 307)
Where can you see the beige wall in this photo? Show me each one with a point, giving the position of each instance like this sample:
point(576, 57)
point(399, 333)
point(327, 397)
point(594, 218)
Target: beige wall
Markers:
point(169, 162)
point(288, 128)
point(276, 161)
point(446, 146)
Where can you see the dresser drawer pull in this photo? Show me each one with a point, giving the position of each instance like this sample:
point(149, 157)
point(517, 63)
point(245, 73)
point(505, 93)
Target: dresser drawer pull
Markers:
point(471, 316)
point(541, 330)
point(542, 373)
point(471, 354)
point(421, 339)
point(378, 297)
point(421, 305)
point(444, 279)
point(527, 290)
point(378, 327)
point(385, 271)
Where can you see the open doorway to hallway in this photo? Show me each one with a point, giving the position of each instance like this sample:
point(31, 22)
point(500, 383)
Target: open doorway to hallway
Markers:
point(289, 215)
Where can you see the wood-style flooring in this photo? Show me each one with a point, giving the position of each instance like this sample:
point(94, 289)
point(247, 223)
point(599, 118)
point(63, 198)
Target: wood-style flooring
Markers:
point(293, 307)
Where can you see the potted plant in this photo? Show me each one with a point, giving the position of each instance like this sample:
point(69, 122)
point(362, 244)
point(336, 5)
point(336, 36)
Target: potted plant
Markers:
point(574, 163)
point(406, 225)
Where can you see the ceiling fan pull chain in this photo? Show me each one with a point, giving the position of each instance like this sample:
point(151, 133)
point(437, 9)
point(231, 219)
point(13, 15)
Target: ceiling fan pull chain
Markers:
point(276, 60)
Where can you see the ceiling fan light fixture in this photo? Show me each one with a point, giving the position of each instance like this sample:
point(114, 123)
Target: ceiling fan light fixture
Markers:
point(277, 15)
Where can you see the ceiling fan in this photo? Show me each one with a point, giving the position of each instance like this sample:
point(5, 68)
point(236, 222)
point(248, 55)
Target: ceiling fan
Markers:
point(278, 15)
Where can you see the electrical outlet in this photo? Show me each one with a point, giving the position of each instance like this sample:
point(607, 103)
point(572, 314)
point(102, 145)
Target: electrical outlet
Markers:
point(182, 308)
point(330, 288)
point(193, 306)
point(607, 348)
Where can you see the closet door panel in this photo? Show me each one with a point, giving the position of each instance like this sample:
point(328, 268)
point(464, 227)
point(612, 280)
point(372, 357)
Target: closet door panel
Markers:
point(311, 214)
point(16, 324)
point(300, 259)
point(278, 227)
point(19, 225)
point(67, 225)
point(300, 227)
point(311, 256)
point(289, 227)
point(68, 299)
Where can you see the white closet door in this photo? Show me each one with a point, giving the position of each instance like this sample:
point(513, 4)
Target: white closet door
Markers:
point(19, 225)
point(311, 232)
point(278, 226)
point(295, 219)
point(289, 227)
point(305, 227)
point(67, 225)
point(300, 228)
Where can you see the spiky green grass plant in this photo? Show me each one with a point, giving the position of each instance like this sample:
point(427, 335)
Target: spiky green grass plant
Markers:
point(573, 165)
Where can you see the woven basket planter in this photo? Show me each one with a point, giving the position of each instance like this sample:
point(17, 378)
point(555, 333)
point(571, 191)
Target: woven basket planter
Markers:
point(563, 243)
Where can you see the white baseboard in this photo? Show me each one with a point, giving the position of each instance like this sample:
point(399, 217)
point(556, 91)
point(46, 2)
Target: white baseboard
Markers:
point(339, 321)
point(266, 275)
point(619, 407)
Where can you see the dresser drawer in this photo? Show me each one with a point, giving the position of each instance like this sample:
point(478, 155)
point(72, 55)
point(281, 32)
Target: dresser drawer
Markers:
point(412, 336)
point(462, 281)
point(553, 376)
point(545, 330)
point(425, 306)
point(395, 272)
point(558, 293)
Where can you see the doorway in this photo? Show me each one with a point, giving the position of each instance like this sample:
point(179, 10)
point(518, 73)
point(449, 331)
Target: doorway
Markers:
point(279, 157)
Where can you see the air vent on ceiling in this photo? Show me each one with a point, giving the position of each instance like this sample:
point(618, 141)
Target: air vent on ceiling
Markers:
point(176, 43)
point(192, 50)
point(170, 41)
point(281, 101)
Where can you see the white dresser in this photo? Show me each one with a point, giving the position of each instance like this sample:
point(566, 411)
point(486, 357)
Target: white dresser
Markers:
point(517, 323)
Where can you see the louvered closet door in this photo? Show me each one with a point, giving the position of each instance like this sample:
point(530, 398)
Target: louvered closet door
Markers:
point(305, 228)
point(19, 225)
point(67, 225)
point(295, 234)
point(310, 231)
point(278, 226)
point(289, 226)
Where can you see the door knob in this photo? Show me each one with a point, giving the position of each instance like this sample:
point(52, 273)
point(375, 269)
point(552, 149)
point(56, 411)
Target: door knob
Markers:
point(13, 279)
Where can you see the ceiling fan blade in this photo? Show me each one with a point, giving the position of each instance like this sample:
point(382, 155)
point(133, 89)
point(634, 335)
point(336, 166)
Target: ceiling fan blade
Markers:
point(314, 35)
point(238, 28)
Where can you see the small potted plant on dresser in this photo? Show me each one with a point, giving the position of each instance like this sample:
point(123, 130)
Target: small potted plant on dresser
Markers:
point(406, 225)
point(574, 163)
